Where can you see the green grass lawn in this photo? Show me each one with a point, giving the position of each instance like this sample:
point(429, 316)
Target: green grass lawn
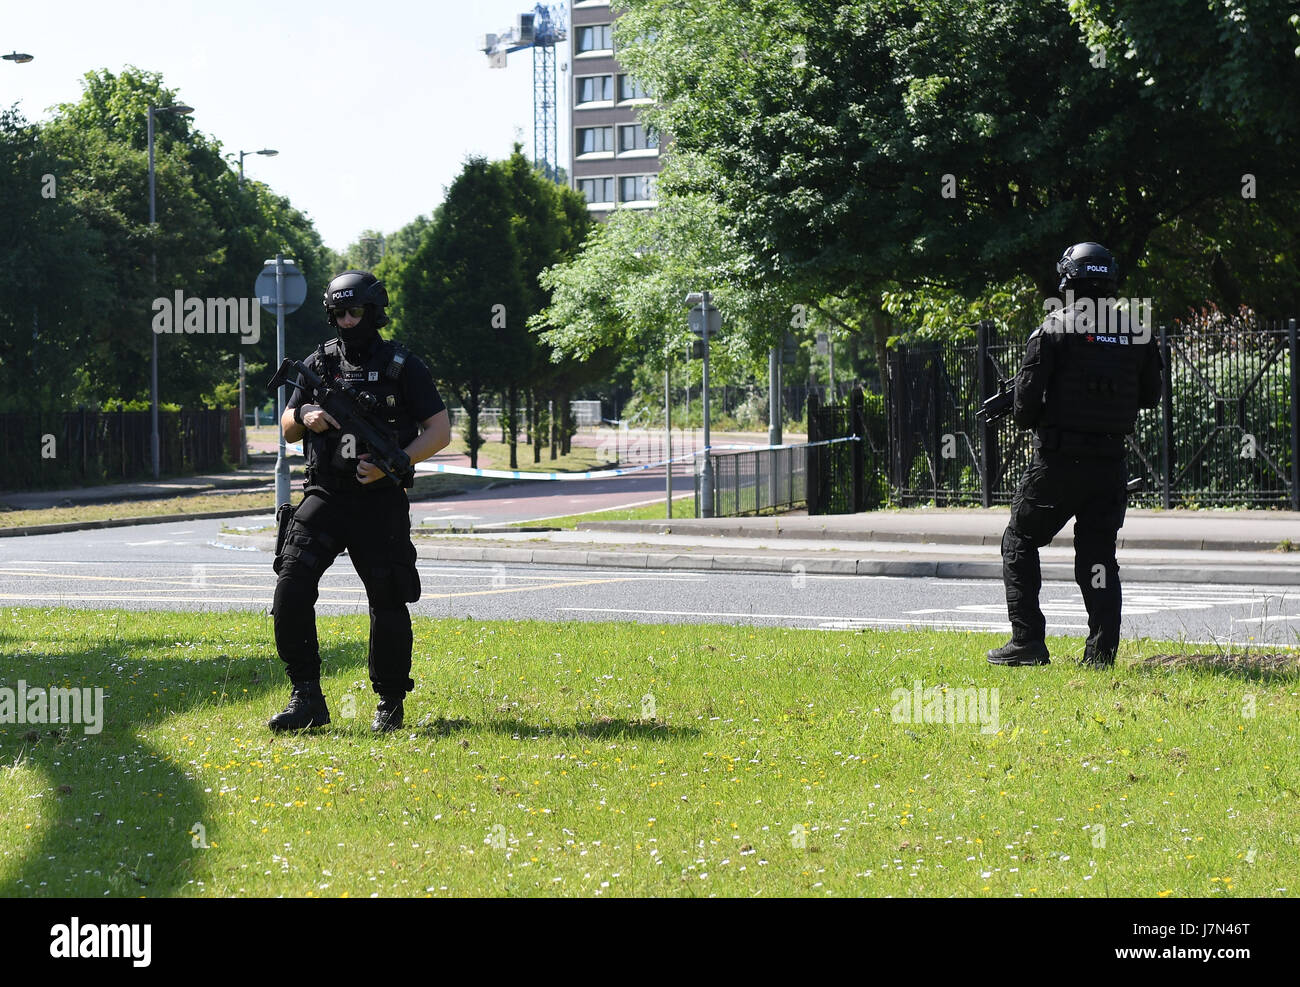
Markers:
point(617, 759)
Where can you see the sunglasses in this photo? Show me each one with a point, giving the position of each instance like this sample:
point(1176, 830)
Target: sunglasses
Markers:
point(356, 311)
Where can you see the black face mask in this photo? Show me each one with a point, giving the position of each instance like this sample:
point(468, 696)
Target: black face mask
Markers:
point(360, 338)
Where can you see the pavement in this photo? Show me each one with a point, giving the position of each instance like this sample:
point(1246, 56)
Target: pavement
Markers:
point(1206, 530)
point(1197, 547)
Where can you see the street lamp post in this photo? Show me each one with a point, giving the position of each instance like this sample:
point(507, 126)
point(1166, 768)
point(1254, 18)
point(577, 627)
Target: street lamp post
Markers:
point(383, 244)
point(243, 435)
point(268, 152)
point(18, 57)
point(153, 266)
point(830, 359)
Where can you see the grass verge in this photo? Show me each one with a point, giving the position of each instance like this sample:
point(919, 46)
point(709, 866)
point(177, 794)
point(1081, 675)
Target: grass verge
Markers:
point(658, 511)
point(192, 504)
point(617, 759)
point(495, 455)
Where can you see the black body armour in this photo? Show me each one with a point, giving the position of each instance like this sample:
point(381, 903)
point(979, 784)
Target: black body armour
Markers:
point(380, 375)
point(1095, 389)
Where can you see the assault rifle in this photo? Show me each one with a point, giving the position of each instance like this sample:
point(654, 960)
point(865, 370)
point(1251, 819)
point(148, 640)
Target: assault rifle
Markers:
point(356, 414)
point(997, 407)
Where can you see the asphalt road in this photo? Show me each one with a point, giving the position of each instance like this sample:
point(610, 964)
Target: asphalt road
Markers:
point(186, 566)
point(537, 500)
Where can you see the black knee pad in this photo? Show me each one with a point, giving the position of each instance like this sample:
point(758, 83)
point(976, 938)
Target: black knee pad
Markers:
point(1016, 542)
point(292, 590)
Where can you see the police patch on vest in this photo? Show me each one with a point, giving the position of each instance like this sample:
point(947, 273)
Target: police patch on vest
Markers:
point(374, 375)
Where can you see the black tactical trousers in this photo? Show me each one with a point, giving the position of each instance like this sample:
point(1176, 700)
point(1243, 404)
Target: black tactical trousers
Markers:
point(1056, 487)
point(375, 528)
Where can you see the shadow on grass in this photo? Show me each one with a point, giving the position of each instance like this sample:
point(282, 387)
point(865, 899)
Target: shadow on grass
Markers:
point(118, 810)
point(1255, 666)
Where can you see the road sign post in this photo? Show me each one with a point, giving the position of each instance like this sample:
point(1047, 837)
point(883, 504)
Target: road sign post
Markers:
point(281, 280)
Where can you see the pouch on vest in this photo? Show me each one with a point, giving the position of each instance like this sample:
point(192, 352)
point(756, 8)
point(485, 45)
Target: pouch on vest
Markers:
point(283, 518)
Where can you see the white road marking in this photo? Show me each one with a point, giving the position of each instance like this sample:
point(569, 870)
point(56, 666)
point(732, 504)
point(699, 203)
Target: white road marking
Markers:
point(242, 566)
point(1137, 603)
point(476, 571)
point(1049, 609)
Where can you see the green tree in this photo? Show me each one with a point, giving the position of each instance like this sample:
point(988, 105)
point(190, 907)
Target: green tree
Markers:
point(210, 241)
point(457, 290)
point(550, 223)
point(56, 280)
point(367, 252)
point(626, 289)
point(102, 140)
point(869, 148)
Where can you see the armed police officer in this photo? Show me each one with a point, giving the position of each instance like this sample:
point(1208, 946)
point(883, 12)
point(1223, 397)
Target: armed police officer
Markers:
point(349, 503)
point(1087, 371)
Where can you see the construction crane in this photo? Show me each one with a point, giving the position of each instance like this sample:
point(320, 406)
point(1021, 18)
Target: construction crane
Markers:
point(540, 30)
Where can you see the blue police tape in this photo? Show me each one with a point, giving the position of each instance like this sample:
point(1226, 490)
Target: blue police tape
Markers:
point(427, 467)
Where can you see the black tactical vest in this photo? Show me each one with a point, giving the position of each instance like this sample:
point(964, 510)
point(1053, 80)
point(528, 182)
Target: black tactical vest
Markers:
point(1094, 388)
point(380, 375)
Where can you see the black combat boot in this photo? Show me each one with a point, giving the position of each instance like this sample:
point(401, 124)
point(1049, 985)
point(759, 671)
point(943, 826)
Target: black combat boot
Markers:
point(388, 714)
point(306, 709)
point(1097, 657)
point(1020, 653)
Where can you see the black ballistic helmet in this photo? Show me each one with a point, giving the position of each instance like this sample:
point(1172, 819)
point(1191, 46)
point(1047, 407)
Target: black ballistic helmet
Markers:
point(1087, 264)
point(356, 288)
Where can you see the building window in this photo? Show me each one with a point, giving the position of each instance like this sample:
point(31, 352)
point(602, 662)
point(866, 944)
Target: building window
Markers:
point(595, 88)
point(635, 137)
point(592, 140)
point(595, 37)
point(636, 188)
point(629, 88)
point(596, 189)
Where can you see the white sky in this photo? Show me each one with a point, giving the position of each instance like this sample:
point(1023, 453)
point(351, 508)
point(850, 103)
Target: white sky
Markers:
point(373, 105)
